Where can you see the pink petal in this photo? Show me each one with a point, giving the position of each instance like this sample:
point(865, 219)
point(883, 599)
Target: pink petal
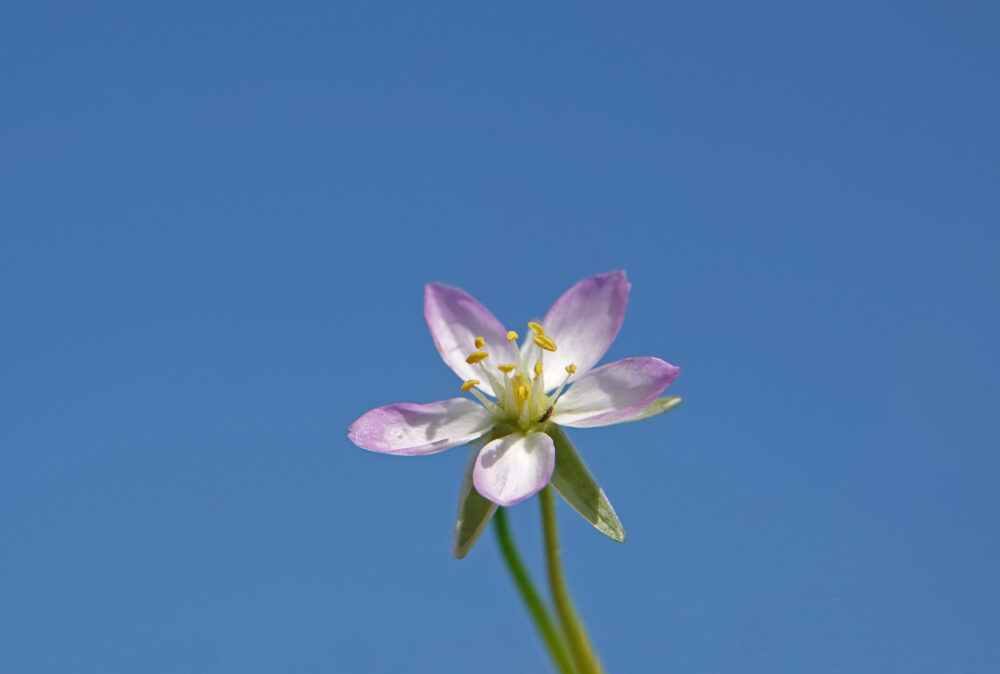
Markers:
point(514, 467)
point(614, 392)
point(455, 319)
point(409, 429)
point(584, 321)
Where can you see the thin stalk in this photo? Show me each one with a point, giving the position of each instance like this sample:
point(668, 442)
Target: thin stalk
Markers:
point(579, 646)
point(536, 607)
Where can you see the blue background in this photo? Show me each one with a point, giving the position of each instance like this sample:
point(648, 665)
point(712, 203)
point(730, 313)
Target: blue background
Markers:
point(216, 224)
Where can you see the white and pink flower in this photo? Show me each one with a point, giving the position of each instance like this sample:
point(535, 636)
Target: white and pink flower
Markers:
point(521, 394)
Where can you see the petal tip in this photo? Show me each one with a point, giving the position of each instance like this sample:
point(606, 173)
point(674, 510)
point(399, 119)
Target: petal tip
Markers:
point(671, 371)
point(618, 274)
point(434, 287)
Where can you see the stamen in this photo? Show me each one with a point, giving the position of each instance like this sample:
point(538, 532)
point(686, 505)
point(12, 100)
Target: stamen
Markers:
point(507, 368)
point(472, 383)
point(480, 342)
point(538, 400)
point(538, 368)
point(545, 342)
point(523, 394)
point(495, 383)
point(512, 338)
point(536, 328)
point(570, 371)
point(509, 402)
point(476, 356)
point(486, 402)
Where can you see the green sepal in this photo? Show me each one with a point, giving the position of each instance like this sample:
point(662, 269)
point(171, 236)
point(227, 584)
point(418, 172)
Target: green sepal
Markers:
point(474, 511)
point(658, 406)
point(579, 488)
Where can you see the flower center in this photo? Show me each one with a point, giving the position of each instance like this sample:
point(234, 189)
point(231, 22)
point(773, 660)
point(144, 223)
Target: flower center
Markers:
point(519, 387)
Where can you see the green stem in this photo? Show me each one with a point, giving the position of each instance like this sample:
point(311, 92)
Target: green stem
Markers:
point(536, 607)
point(583, 654)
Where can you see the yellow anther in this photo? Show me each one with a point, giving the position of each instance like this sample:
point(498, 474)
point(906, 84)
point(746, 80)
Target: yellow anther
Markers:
point(480, 342)
point(469, 385)
point(538, 367)
point(522, 390)
point(512, 336)
point(545, 342)
point(476, 356)
point(571, 368)
point(536, 328)
point(507, 368)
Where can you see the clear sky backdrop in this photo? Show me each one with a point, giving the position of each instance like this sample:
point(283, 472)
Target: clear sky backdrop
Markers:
point(215, 226)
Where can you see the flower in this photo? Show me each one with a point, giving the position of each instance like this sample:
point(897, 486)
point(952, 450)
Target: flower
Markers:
point(520, 396)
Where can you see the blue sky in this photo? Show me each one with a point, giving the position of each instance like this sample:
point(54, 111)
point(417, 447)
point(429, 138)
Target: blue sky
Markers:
point(216, 224)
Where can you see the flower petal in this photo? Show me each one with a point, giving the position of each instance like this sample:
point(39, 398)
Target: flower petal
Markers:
point(410, 429)
point(614, 392)
point(455, 319)
point(514, 467)
point(474, 512)
point(584, 321)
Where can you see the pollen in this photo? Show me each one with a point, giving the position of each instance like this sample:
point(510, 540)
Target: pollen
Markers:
point(469, 385)
point(571, 368)
point(538, 368)
point(476, 356)
point(512, 336)
point(545, 342)
point(536, 328)
point(507, 368)
point(480, 342)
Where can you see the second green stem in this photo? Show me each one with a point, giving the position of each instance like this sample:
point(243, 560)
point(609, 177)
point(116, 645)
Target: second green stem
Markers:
point(579, 646)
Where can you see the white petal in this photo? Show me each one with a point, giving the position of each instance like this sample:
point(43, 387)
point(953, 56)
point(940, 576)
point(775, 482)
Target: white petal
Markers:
point(614, 392)
point(455, 319)
point(514, 467)
point(584, 321)
point(407, 428)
